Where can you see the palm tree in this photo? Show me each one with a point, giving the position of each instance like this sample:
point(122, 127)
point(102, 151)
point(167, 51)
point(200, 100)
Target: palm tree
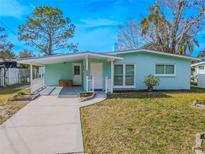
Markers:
point(156, 28)
point(187, 45)
point(163, 36)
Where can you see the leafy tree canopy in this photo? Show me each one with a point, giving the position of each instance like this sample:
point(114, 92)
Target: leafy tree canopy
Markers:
point(5, 45)
point(173, 31)
point(26, 54)
point(48, 30)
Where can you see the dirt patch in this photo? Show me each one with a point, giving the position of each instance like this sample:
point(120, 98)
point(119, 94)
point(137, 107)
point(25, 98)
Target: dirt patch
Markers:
point(200, 104)
point(10, 108)
point(86, 96)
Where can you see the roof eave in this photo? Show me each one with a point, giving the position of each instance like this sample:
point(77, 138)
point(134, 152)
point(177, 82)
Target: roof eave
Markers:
point(155, 52)
point(35, 61)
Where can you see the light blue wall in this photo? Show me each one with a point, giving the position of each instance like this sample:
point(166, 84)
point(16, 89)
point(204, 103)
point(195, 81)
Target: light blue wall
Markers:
point(58, 71)
point(145, 65)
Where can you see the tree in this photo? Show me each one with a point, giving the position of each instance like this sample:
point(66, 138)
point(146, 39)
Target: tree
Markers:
point(202, 54)
point(25, 54)
point(155, 29)
point(48, 30)
point(5, 46)
point(177, 30)
point(128, 36)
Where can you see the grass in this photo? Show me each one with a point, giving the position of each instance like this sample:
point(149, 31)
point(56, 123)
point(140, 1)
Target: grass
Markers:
point(143, 123)
point(8, 108)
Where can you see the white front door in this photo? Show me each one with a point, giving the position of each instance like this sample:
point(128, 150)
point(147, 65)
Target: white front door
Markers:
point(77, 76)
point(96, 71)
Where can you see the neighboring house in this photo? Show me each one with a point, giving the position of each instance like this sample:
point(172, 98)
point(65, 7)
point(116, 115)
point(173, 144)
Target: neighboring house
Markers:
point(198, 73)
point(121, 70)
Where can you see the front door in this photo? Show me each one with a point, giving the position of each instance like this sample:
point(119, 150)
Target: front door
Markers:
point(96, 71)
point(77, 77)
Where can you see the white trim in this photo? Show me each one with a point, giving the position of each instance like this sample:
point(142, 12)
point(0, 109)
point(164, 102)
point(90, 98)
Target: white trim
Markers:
point(124, 76)
point(165, 75)
point(155, 52)
point(77, 64)
point(197, 64)
point(40, 60)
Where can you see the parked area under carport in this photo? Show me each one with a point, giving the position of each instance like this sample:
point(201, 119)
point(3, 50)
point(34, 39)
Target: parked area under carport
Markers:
point(47, 125)
point(62, 92)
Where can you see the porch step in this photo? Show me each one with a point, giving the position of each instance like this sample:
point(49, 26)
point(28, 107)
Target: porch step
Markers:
point(56, 91)
point(68, 96)
point(47, 91)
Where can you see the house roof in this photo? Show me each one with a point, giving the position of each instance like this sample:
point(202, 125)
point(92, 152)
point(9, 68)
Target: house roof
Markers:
point(197, 64)
point(67, 57)
point(7, 60)
point(80, 55)
point(154, 52)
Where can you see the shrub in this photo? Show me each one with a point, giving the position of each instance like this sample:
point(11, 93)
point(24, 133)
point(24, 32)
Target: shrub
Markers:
point(151, 81)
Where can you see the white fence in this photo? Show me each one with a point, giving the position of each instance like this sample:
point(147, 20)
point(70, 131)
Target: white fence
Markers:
point(201, 80)
point(37, 84)
point(1, 77)
point(12, 76)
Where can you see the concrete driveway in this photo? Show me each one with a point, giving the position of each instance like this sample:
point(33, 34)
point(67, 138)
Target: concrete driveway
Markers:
point(47, 125)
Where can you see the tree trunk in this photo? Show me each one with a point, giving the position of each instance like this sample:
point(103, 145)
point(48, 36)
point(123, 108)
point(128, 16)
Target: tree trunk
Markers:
point(50, 44)
point(176, 25)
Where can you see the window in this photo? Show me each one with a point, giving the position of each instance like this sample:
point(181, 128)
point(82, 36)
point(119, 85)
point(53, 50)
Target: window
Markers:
point(124, 74)
point(159, 69)
point(118, 75)
point(76, 70)
point(129, 75)
point(162, 69)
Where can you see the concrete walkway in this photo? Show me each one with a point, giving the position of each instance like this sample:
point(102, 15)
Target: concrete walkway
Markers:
point(48, 125)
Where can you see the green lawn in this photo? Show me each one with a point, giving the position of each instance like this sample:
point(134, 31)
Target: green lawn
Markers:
point(143, 123)
point(7, 108)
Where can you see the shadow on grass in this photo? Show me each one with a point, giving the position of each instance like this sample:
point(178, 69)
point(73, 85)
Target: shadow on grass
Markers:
point(10, 89)
point(141, 95)
point(197, 90)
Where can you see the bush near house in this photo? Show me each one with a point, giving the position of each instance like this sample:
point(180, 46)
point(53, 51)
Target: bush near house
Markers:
point(151, 81)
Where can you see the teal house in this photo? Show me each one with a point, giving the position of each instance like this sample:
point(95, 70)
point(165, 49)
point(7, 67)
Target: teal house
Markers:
point(113, 71)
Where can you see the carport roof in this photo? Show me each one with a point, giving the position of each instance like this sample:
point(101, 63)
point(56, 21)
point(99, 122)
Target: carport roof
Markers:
point(67, 57)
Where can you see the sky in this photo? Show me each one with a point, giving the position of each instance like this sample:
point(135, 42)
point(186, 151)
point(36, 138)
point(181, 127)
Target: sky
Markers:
point(96, 21)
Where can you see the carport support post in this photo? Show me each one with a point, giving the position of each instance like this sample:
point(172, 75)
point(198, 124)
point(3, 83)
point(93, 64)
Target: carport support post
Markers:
point(86, 63)
point(112, 73)
point(31, 76)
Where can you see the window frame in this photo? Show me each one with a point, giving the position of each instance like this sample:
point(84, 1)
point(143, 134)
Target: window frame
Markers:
point(124, 76)
point(165, 75)
point(74, 70)
point(118, 75)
